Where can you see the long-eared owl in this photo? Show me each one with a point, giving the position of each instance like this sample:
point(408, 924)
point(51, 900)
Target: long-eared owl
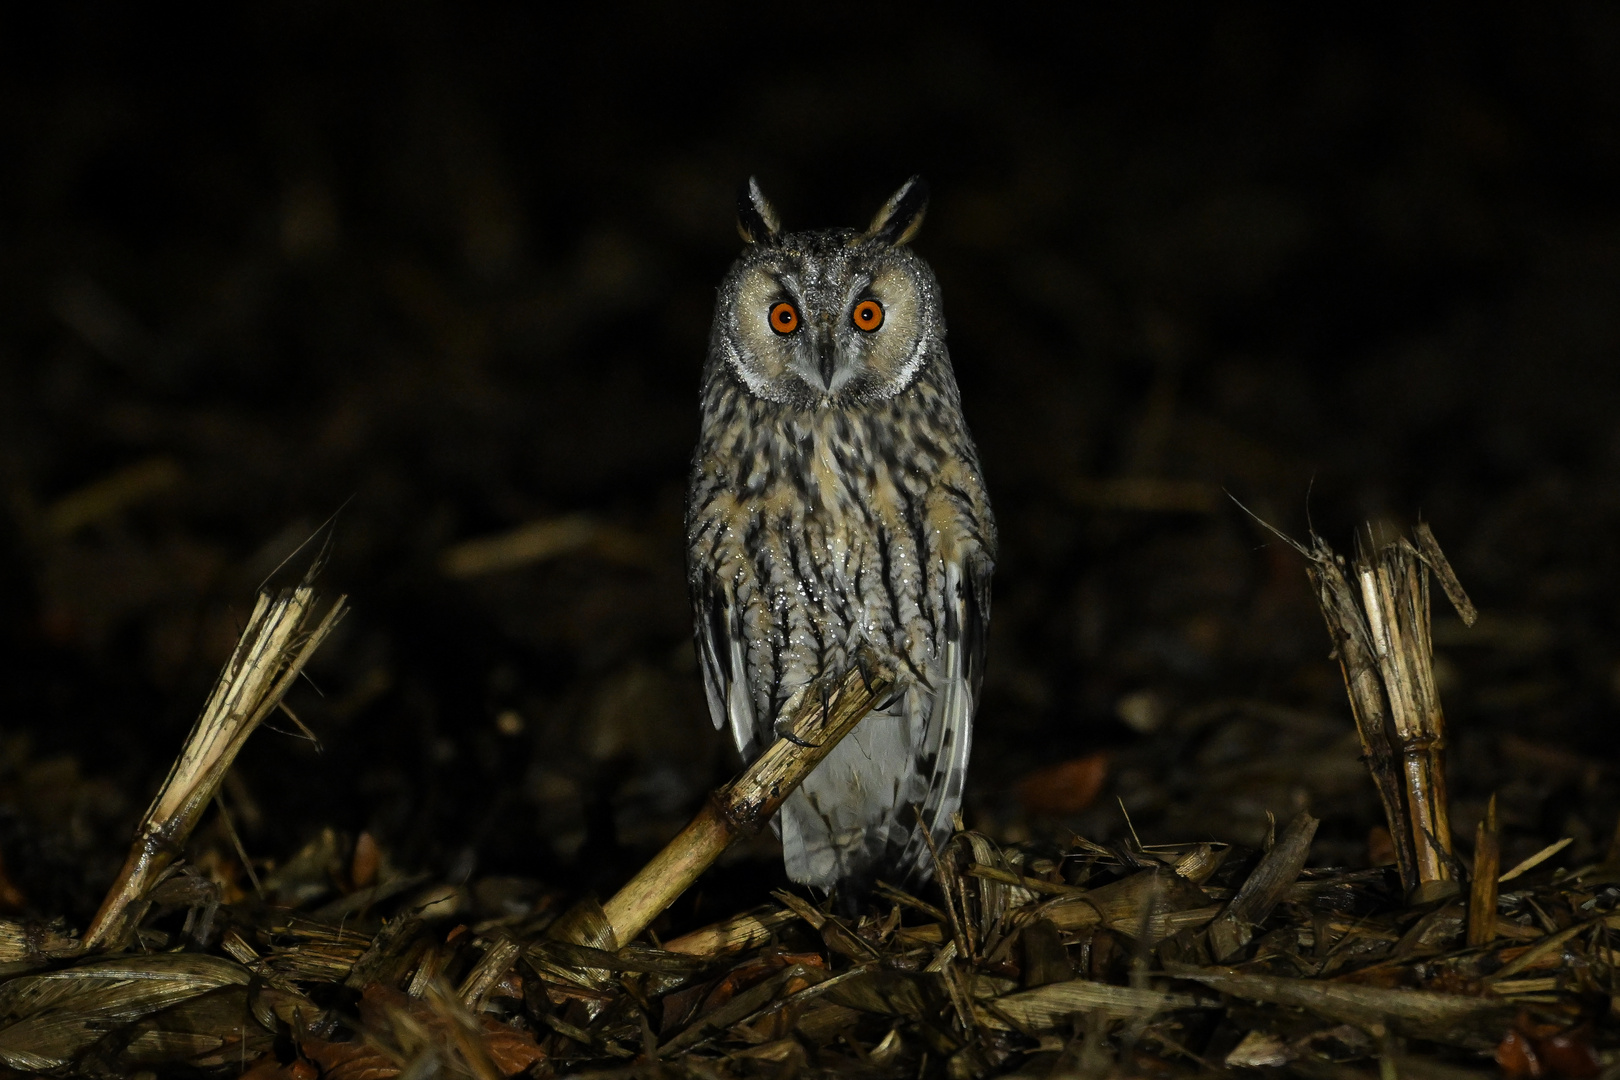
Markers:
point(837, 510)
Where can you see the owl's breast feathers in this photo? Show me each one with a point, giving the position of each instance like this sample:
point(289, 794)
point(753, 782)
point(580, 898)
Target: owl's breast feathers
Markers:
point(815, 533)
point(836, 511)
point(820, 530)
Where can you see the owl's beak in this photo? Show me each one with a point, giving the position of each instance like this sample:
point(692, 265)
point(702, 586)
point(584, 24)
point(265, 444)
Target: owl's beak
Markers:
point(826, 361)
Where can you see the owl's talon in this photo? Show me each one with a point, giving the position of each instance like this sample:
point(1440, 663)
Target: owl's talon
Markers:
point(921, 677)
point(865, 670)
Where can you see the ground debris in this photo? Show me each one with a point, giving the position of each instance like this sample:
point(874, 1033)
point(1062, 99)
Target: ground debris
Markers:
point(1137, 968)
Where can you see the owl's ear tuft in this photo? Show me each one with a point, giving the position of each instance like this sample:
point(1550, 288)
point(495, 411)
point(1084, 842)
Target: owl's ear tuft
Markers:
point(901, 216)
point(756, 217)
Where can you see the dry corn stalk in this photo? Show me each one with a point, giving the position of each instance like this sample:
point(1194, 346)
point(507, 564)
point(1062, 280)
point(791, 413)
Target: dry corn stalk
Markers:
point(749, 930)
point(1377, 612)
point(1482, 894)
point(277, 642)
point(743, 806)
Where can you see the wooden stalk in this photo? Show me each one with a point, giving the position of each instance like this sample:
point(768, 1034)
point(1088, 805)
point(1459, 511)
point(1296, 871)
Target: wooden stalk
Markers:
point(1482, 891)
point(745, 931)
point(743, 807)
point(1381, 637)
point(1395, 595)
point(1357, 662)
point(271, 652)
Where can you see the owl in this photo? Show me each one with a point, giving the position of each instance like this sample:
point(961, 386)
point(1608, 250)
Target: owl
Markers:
point(836, 511)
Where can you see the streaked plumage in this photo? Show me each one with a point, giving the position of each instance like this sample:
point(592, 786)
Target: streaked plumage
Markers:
point(836, 505)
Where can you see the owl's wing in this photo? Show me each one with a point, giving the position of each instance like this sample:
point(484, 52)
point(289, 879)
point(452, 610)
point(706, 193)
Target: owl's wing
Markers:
point(947, 735)
point(720, 647)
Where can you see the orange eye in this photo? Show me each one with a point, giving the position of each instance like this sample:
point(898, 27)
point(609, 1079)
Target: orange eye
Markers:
point(868, 315)
point(784, 318)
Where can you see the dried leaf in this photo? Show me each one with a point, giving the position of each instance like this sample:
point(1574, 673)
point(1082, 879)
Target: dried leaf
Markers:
point(51, 1017)
point(1056, 1004)
point(358, 1059)
point(212, 1029)
point(1444, 1018)
point(28, 943)
point(1260, 1049)
point(739, 1008)
point(1268, 883)
point(1153, 904)
point(889, 993)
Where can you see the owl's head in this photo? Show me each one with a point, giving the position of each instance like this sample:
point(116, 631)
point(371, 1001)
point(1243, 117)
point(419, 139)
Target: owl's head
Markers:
point(816, 318)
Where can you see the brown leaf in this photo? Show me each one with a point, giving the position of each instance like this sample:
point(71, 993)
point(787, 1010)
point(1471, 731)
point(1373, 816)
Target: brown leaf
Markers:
point(509, 1049)
point(1550, 1050)
point(679, 1007)
point(12, 900)
point(1571, 1054)
point(752, 974)
point(269, 1067)
point(357, 1060)
point(1066, 788)
point(367, 858)
point(1380, 847)
point(1045, 958)
point(1516, 1057)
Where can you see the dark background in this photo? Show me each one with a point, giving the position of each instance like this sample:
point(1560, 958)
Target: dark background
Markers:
point(452, 271)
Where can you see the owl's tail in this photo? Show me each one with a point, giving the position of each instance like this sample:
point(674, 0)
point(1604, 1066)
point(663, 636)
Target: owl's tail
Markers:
point(856, 821)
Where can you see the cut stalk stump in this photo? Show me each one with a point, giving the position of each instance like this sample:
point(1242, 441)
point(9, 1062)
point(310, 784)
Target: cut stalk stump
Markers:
point(1377, 612)
point(1483, 891)
point(280, 637)
point(741, 808)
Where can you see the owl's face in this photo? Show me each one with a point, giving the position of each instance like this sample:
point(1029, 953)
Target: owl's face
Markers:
point(818, 318)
